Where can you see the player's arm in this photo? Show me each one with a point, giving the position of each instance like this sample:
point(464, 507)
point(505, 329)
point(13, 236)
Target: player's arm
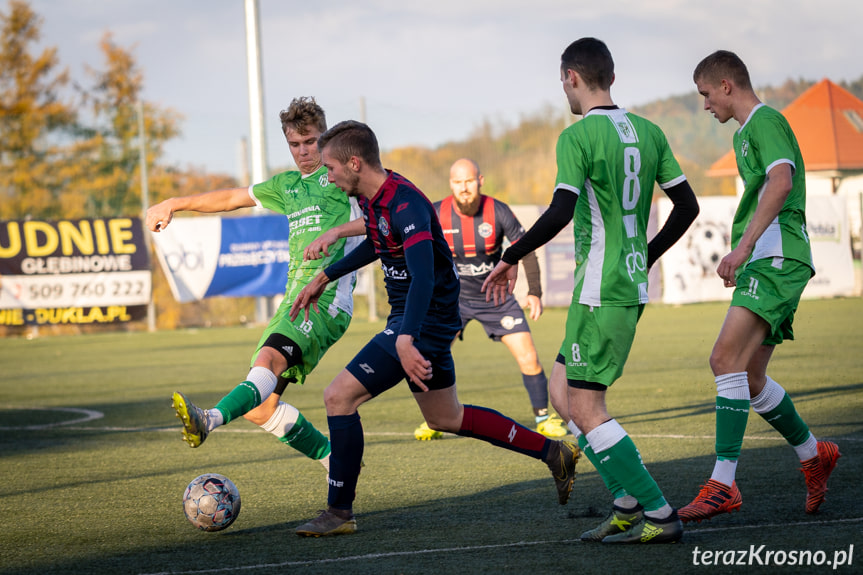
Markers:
point(360, 256)
point(776, 190)
point(321, 245)
point(513, 231)
point(419, 257)
point(530, 263)
point(682, 215)
point(160, 215)
point(501, 280)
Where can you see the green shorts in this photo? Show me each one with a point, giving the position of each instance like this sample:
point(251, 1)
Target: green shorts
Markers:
point(771, 289)
point(597, 341)
point(314, 337)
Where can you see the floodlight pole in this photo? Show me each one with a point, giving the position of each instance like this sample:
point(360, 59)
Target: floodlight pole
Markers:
point(256, 120)
point(370, 269)
point(145, 205)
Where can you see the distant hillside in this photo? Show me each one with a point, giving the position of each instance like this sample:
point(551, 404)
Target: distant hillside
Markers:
point(518, 161)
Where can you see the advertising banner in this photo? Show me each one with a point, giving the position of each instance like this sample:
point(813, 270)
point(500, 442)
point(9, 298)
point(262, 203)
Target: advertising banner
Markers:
point(84, 271)
point(689, 267)
point(214, 256)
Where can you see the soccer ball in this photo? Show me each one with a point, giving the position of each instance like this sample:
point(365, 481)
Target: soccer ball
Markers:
point(211, 502)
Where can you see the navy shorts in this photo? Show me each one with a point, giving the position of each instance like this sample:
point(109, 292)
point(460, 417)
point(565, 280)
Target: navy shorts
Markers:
point(378, 368)
point(496, 320)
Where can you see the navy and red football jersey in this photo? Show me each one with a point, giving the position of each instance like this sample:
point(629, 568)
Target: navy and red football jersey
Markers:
point(476, 241)
point(398, 217)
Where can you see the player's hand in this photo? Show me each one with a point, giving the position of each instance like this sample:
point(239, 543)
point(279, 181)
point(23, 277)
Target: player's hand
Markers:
point(416, 367)
point(159, 216)
point(500, 282)
point(309, 296)
point(535, 305)
point(729, 265)
point(321, 245)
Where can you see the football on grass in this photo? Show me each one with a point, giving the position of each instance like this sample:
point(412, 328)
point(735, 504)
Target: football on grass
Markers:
point(211, 502)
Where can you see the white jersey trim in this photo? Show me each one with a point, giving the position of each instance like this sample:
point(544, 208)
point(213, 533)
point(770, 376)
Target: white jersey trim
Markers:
point(591, 269)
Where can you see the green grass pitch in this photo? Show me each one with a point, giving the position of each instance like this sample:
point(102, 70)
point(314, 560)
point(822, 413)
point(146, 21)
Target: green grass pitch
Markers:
point(92, 467)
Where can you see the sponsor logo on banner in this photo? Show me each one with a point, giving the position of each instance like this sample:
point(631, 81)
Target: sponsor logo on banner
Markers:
point(73, 271)
point(238, 257)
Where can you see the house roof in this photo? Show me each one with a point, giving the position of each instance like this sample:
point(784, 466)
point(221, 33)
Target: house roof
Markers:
point(828, 122)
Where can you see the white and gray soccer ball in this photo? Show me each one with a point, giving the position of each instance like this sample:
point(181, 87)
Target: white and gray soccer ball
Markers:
point(211, 502)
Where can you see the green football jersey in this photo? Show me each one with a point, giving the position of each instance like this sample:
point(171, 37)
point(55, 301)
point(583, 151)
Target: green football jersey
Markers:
point(762, 142)
point(611, 159)
point(312, 206)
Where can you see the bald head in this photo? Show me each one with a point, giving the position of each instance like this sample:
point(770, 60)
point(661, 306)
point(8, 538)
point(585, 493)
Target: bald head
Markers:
point(465, 181)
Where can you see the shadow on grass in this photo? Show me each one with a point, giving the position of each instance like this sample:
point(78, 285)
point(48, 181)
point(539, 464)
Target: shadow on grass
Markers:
point(515, 527)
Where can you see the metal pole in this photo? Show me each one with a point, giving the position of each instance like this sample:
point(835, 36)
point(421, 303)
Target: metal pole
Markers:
point(145, 204)
point(370, 269)
point(256, 120)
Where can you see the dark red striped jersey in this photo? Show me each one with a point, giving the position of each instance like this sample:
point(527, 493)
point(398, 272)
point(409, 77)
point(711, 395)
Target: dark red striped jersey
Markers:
point(396, 218)
point(476, 241)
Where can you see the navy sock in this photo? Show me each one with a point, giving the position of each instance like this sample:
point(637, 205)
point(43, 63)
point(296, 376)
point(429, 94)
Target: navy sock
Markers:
point(346, 444)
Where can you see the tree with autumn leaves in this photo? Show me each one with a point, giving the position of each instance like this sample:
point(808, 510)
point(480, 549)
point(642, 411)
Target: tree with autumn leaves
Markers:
point(70, 149)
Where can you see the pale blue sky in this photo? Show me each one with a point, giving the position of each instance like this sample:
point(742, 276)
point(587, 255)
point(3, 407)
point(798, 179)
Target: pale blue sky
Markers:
point(430, 72)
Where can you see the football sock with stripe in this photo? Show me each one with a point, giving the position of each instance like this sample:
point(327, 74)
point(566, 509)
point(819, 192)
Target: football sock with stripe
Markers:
point(732, 414)
point(497, 429)
point(613, 486)
point(289, 425)
point(776, 407)
point(618, 457)
point(259, 384)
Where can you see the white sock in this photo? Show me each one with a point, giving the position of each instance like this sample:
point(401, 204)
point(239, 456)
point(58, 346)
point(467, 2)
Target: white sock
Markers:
point(282, 420)
point(661, 513)
point(263, 379)
point(733, 385)
point(724, 471)
point(626, 502)
point(573, 428)
point(808, 449)
point(214, 419)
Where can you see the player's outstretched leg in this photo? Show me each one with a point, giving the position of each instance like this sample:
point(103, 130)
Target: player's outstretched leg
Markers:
point(562, 457)
point(816, 471)
point(713, 499)
point(426, 433)
point(195, 420)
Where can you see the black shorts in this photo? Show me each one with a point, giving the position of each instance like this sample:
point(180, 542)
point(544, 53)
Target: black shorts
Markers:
point(378, 368)
point(496, 320)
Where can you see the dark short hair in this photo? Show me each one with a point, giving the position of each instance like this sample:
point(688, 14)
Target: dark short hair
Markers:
point(592, 60)
point(351, 138)
point(720, 65)
point(302, 114)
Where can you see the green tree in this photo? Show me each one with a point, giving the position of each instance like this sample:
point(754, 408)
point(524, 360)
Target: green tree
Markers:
point(33, 117)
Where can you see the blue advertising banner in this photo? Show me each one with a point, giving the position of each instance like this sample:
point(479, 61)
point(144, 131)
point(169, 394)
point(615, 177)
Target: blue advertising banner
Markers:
point(214, 256)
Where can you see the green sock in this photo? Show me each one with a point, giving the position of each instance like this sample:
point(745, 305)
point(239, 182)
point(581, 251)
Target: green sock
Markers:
point(785, 419)
point(240, 401)
point(731, 418)
point(623, 462)
point(610, 482)
point(306, 439)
